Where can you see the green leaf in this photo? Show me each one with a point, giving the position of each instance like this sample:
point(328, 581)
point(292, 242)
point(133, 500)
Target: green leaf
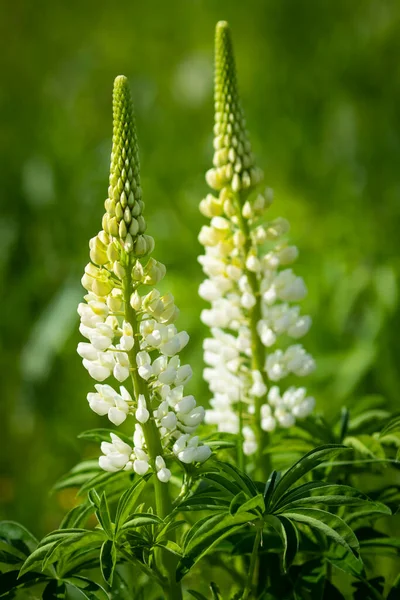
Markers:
point(103, 435)
point(222, 482)
point(85, 558)
point(345, 560)
point(221, 440)
point(305, 465)
point(54, 590)
point(237, 502)
point(392, 543)
point(270, 487)
point(18, 537)
point(289, 536)
point(10, 581)
point(129, 499)
point(257, 504)
point(201, 502)
point(87, 588)
point(139, 520)
point(35, 560)
point(319, 488)
point(395, 590)
point(100, 481)
point(103, 515)
point(9, 555)
point(215, 591)
point(242, 479)
point(171, 546)
point(197, 595)
point(367, 422)
point(207, 536)
point(64, 548)
point(329, 500)
point(332, 526)
point(391, 427)
point(108, 560)
point(77, 516)
point(366, 445)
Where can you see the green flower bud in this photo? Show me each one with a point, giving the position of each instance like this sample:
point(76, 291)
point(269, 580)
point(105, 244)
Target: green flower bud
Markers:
point(124, 188)
point(134, 227)
point(136, 301)
point(233, 159)
point(98, 251)
point(112, 253)
point(137, 271)
point(115, 300)
point(149, 243)
point(119, 270)
point(154, 271)
point(140, 246)
point(97, 280)
point(141, 223)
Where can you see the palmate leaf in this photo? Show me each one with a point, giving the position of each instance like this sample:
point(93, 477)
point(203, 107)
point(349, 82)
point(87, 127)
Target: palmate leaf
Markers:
point(306, 464)
point(207, 535)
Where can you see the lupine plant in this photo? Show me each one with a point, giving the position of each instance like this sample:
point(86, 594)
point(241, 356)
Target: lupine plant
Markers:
point(275, 503)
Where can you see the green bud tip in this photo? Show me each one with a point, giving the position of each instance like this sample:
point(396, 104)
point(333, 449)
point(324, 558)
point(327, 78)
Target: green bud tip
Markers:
point(233, 159)
point(124, 192)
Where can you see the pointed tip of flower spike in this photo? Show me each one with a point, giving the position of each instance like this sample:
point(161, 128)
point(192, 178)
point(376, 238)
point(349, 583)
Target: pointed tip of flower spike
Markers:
point(222, 25)
point(233, 159)
point(123, 219)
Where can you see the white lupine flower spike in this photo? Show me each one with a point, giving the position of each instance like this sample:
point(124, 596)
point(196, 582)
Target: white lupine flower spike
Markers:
point(130, 333)
point(250, 285)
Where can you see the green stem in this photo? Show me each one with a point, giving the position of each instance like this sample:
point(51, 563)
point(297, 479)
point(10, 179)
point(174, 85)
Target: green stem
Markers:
point(263, 466)
point(252, 567)
point(152, 439)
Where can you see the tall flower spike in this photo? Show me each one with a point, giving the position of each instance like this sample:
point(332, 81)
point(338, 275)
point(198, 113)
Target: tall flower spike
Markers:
point(131, 337)
point(253, 296)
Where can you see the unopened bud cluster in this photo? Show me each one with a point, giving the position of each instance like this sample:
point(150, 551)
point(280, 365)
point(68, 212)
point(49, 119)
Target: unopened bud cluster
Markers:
point(252, 288)
point(131, 334)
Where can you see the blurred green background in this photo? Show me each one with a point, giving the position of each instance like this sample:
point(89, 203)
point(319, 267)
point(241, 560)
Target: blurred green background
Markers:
point(320, 84)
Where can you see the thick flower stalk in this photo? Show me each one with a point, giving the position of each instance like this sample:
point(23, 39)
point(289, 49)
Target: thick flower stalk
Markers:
point(254, 318)
point(132, 340)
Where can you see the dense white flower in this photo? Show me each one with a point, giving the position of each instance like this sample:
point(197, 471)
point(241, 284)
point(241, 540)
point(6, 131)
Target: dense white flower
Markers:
point(129, 324)
point(243, 282)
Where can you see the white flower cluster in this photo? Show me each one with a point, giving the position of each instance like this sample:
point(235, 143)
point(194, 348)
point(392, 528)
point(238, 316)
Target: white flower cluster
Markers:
point(111, 350)
point(253, 293)
point(250, 284)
